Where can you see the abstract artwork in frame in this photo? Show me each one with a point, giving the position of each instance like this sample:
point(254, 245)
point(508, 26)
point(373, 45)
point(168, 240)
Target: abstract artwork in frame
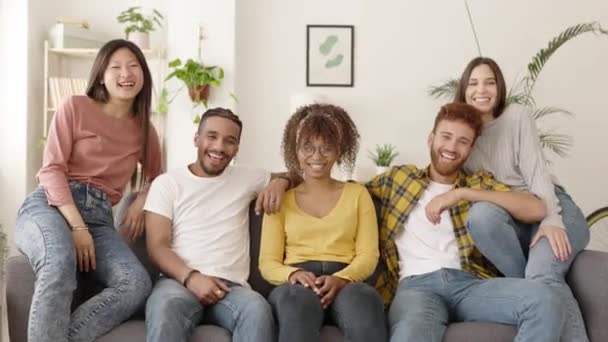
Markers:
point(330, 55)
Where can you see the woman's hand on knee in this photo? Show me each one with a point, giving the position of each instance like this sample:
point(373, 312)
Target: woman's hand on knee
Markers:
point(329, 286)
point(558, 239)
point(85, 250)
point(307, 279)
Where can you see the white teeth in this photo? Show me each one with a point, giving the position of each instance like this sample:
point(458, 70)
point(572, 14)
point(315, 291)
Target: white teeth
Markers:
point(447, 156)
point(316, 166)
point(216, 156)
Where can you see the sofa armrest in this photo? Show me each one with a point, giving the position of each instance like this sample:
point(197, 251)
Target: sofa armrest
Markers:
point(19, 291)
point(588, 279)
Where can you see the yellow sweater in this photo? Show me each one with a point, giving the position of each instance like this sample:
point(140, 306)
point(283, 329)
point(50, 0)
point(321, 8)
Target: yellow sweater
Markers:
point(347, 234)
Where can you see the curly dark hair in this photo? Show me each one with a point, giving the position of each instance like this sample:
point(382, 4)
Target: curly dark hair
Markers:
point(328, 122)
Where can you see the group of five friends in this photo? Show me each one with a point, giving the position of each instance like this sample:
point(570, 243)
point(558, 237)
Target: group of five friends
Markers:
point(483, 233)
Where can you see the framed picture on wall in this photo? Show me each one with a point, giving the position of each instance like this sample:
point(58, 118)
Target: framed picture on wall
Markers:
point(330, 55)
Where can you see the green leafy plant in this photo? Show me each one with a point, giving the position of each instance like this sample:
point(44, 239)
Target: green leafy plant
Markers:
point(197, 77)
point(138, 22)
point(521, 91)
point(162, 106)
point(383, 155)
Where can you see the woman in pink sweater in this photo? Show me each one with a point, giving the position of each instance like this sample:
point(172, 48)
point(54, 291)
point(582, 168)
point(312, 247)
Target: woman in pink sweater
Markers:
point(65, 226)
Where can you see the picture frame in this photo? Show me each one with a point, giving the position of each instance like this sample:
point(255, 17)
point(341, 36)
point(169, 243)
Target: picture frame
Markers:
point(330, 55)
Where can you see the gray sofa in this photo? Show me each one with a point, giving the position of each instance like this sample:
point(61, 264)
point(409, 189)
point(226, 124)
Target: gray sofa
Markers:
point(588, 279)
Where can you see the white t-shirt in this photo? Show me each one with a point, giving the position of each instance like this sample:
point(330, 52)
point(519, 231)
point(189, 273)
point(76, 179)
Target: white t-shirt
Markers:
point(424, 247)
point(210, 217)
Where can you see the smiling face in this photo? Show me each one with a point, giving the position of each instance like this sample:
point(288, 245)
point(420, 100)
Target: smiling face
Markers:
point(481, 90)
point(317, 157)
point(123, 78)
point(450, 144)
point(217, 143)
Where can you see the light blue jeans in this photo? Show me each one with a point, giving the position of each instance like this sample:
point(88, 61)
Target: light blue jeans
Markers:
point(357, 309)
point(425, 304)
point(172, 313)
point(43, 235)
point(504, 241)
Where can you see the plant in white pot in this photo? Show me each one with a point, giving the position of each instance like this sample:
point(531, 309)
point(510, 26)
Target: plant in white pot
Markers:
point(140, 25)
point(383, 156)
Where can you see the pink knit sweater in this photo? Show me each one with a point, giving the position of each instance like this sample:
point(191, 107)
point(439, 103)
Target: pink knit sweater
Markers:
point(88, 146)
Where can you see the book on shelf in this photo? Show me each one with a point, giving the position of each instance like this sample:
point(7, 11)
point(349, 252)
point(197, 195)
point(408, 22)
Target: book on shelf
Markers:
point(61, 87)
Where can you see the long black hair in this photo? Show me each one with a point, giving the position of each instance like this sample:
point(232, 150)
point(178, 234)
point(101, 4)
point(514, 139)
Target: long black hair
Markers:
point(97, 91)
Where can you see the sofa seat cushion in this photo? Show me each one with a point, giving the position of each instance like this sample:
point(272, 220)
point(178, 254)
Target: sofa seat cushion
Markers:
point(135, 331)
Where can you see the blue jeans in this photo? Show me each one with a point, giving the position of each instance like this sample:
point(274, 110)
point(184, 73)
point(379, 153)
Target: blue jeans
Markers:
point(424, 305)
point(504, 241)
point(43, 235)
point(172, 313)
point(357, 309)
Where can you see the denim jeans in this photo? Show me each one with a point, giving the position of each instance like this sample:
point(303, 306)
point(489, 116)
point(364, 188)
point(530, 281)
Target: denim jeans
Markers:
point(357, 309)
point(172, 313)
point(43, 235)
point(424, 305)
point(504, 242)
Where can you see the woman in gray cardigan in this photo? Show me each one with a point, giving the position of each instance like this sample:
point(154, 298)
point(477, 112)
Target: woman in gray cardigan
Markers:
point(509, 147)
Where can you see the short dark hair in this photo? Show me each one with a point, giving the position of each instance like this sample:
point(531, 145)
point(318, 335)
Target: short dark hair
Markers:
point(97, 91)
point(222, 113)
point(501, 87)
point(329, 122)
point(463, 112)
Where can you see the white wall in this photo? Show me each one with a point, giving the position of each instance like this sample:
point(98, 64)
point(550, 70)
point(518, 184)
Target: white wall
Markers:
point(13, 130)
point(13, 96)
point(402, 47)
point(185, 17)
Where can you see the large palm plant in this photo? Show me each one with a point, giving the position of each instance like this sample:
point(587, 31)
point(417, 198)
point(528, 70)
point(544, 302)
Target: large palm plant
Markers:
point(521, 91)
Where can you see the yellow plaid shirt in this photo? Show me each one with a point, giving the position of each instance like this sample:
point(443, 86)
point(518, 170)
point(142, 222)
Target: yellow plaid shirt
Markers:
point(399, 189)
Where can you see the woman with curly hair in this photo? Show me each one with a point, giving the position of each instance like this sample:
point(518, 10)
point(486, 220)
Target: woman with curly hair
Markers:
point(323, 242)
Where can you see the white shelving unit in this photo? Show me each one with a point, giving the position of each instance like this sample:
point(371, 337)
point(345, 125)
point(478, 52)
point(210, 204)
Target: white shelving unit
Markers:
point(57, 62)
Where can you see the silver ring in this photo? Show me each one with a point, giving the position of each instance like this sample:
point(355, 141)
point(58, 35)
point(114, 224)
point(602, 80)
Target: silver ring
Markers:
point(219, 292)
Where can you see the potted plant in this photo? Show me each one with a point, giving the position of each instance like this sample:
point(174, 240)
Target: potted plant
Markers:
point(197, 77)
point(383, 157)
point(140, 25)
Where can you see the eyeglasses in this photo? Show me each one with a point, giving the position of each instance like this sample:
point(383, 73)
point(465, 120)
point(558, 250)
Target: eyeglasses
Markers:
point(309, 149)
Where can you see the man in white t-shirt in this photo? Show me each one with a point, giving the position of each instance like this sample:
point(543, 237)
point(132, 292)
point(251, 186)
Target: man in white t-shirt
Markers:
point(197, 233)
point(433, 270)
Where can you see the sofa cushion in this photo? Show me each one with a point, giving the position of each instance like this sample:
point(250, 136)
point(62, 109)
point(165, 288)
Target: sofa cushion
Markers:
point(588, 279)
point(257, 282)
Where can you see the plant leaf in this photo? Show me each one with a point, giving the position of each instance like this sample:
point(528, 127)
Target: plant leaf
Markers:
point(546, 111)
point(175, 63)
point(557, 143)
point(542, 56)
point(445, 90)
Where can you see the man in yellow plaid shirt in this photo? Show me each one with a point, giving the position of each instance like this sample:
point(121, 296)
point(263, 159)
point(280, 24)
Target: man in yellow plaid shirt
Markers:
point(433, 272)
